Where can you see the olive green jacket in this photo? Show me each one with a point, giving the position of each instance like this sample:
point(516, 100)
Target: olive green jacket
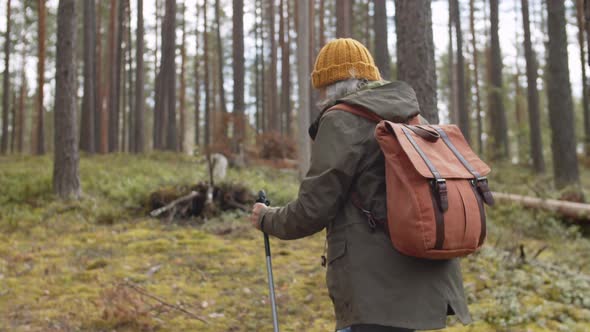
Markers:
point(369, 282)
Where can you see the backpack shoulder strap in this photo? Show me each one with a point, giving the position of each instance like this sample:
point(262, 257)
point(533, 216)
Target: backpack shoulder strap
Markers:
point(364, 113)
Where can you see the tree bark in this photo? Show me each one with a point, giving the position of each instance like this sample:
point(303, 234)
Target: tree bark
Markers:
point(532, 94)
point(6, 84)
point(182, 93)
point(476, 76)
point(415, 53)
point(139, 134)
point(239, 73)
point(21, 112)
point(322, 25)
point(168, 68)
point(207, 138)
point(39, 133)
point(561, 113)
point(114, 78)
point(257, 60)
point(87, 139)
point(223, 124)
point(66, 178)
point(585, 101)
point(303, 70)
point(497, 113)
point(343, 18)
point(130, 135)
point(273, 119)
point(382, 58)
point(464, 122)
point(101, 116)
point(285, 108)
point(197, 84)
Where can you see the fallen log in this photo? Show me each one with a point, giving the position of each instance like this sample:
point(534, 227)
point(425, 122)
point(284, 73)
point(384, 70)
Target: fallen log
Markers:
point(173, 204)
point(577, 211)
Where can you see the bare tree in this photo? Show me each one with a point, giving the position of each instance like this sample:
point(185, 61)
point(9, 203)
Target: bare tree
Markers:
point(182, 92)
point(239, 72)
point(497, 113)
point(382, 58)
point(87, 139)
point(532, 94)
point(344, 18)
point(585, 101)
point(66, 178)
point(6, 84)
point(415, 52)
point(476, 76)
point(303, 70)
point(561, 110)
point(139, 134)
point(464, 122)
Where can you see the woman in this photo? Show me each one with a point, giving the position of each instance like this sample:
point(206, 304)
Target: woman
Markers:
point(372, 286)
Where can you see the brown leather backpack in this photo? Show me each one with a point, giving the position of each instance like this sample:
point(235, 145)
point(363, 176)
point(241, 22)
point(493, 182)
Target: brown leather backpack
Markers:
point(436, 187)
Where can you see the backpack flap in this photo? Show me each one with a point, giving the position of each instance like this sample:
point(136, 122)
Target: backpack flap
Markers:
point(448, 165)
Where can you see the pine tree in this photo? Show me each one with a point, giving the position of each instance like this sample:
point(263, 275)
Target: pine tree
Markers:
point(415, 52)
point(87, 138)
point(6, 84)
point(66, 178)
point(561, 112)
point(239, 73)
point(382, 58)
point(496, 111)
point(139, 134)
point(463, 114)
point(39, 132)
point(303, 70)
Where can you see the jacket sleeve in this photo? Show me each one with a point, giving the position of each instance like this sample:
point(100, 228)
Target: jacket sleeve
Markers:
point(335, 155)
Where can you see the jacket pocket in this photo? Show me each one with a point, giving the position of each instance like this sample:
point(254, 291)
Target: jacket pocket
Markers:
point(336, 250)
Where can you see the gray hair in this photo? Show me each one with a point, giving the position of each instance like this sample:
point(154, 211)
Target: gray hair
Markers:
point(340, 89)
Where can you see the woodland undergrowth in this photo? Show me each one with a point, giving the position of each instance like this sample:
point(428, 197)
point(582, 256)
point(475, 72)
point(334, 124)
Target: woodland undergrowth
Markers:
point(101, 264)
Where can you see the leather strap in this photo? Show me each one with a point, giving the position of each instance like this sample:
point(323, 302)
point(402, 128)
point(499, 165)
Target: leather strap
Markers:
point(364, 113)
point(481, 182)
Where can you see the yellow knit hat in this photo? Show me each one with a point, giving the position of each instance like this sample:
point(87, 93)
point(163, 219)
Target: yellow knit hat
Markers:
point(342, 59)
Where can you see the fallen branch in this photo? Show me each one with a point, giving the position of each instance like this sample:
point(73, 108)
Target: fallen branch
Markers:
point(578, 211)
point(145, 293)
point(175, 202)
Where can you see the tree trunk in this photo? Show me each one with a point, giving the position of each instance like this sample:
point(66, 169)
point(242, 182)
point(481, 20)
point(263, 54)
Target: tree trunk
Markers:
point(561, 113)
point(139, 134)
point(464, 122)
point(114, 78)
point(452, 67)
point(13, 123)
point(344, 18)
point(239, 73)
point(21, 112)
point(39, 133)
point(168, 68)
point(207, 139)
point(157, 123)
point(87, 139)
point(220, 77)
point(415, 52)
point(536, 140)
point(130, 136)
point(382, 59)
point(197, 84)
point(182, 93)
point(496, 111)
point(322, 25)
point(66, 178)
point(285, 108)
point(563, 208)
point(476, 77)
point(257, 60)
point(303, 70)
point(101, 117)
point(6, 84)
point(585, 101)
point(314, 94)
point(273, 119)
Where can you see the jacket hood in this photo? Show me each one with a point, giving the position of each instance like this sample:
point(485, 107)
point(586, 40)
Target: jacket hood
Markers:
point(393, 101)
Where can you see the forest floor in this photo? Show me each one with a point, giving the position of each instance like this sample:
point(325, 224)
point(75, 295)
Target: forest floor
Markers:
point(82, 266)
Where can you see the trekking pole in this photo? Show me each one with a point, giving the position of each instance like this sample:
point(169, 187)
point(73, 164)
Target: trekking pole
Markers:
point(271, 284)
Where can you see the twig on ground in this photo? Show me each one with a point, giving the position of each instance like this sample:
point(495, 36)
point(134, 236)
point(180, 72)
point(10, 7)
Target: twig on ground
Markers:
point(145, 293)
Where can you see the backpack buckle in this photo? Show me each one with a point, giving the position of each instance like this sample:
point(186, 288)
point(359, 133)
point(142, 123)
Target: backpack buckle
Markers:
point(481, 183)
point(440, 189)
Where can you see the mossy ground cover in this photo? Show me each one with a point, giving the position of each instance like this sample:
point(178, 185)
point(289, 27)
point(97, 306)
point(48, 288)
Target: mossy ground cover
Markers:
point(64, 265)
